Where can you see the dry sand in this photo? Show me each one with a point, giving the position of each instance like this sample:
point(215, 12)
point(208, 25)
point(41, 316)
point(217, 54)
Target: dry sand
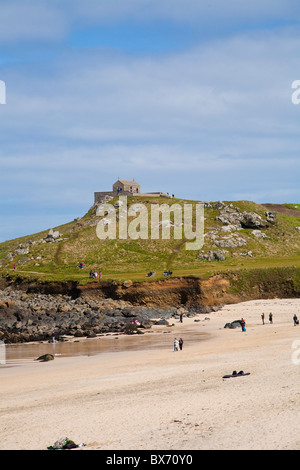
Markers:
point(157, 399)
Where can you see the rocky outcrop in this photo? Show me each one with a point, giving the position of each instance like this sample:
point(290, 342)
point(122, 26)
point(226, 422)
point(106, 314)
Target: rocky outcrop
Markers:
point(23, 249)
point(32, 311)
point(45, 358)
point(53, 236)
point(37, 317)
point(233, 222)
point(213, 255)
point(231, 241)
point(232, 216)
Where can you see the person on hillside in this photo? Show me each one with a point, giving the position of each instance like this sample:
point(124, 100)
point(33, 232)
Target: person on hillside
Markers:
point(100, 274)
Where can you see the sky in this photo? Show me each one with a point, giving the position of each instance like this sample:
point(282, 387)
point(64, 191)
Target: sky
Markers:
point(190, 97)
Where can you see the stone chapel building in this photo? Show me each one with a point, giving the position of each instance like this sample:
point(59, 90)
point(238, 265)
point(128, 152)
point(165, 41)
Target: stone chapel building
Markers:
point(126, 188)
point(123, 187)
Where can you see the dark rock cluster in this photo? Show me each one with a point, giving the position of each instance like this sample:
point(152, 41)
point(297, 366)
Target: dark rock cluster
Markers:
point(37, 317)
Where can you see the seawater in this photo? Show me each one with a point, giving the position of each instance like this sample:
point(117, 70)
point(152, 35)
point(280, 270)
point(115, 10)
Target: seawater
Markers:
point(26, 352)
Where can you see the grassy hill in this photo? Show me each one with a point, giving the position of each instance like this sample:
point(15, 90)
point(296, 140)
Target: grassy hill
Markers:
point(119, 260)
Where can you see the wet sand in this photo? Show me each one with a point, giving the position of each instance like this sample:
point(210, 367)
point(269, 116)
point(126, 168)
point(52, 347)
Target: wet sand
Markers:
point(152, 398)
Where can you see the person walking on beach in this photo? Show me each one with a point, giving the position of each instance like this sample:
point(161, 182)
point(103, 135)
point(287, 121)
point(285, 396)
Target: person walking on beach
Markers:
point(176, 344)
point(270, 318)
point(296, 322)
point(263, 318)
point(180, 343)
point(243, 323)
point(181, 317)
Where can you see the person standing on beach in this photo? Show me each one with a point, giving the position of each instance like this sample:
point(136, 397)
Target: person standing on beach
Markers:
point(243, 323)
point(180, 343)
point(270, 318)
point(180, 317)
point(176, 344)
point(295, 320)
point(263, 318)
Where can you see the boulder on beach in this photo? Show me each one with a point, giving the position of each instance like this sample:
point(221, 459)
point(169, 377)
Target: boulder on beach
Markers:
point(45, 358)
point(233, 324)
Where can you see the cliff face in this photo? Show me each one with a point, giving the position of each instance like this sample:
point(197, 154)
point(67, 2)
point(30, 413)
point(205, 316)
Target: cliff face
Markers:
point(30, 311)
point(190, 292)
point(193, 293)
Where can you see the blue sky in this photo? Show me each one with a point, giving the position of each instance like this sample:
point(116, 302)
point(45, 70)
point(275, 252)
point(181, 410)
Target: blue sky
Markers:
point(192, 97)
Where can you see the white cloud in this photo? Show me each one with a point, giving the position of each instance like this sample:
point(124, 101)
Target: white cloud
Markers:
point(219, 113)
point(103, 98)
point(23, 20)
point(232, 11)
point(30, 19)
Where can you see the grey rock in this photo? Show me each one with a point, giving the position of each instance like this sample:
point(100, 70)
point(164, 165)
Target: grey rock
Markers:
point(230, 216)
point(22, 250)
point(252, 220)
point(212, 255)
point(232, 241)
point(233, 324)
point(271, 217)
point(259, 234)
point(45, 358)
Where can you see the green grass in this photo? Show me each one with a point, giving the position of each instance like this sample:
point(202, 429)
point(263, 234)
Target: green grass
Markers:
point(292, 206)
point(120, 260)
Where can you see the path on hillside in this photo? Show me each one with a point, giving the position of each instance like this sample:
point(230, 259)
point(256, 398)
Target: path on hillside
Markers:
point(283, 210)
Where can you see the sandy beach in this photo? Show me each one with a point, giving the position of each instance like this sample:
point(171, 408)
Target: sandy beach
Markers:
point(154, 399)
